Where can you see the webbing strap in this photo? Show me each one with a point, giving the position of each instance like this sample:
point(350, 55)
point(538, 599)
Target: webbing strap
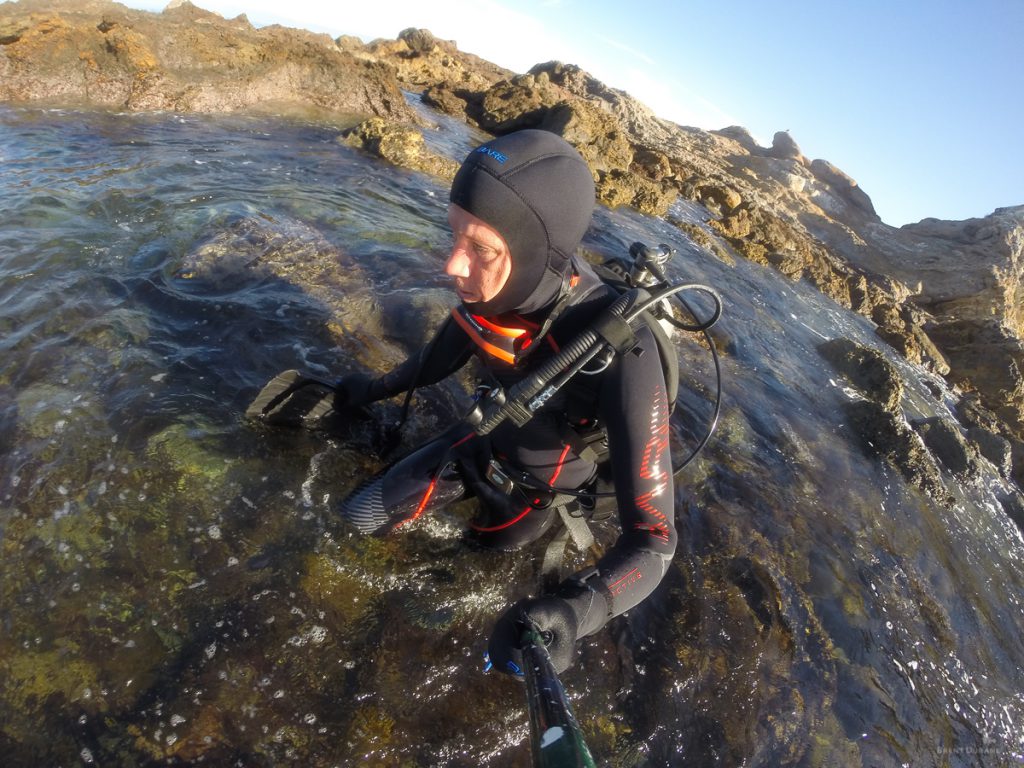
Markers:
point(574, 526)
point(616, 331)
point(577, 527)
point(551, 568)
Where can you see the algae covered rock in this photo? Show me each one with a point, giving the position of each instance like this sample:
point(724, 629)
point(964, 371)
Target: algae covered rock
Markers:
point(449, 101)
point(49, 410)
point(886, 435)
point(616, 188)
point(521, 102)
point(867, 369)
point(34, 682)
point(595, 134)
point(181, 448)
point(421, 60)
point(766, 239)
point(902, 328)
point(726, 199)
point(402, 145)
point(948, 445)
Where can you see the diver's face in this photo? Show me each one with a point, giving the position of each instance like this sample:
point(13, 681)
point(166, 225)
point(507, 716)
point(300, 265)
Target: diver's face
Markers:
point(480, 261)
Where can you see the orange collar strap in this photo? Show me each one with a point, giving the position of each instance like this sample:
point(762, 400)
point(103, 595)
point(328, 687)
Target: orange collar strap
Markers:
point(503, 342)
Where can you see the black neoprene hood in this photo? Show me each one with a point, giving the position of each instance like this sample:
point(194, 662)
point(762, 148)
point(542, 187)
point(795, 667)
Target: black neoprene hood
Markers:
point(537, 192)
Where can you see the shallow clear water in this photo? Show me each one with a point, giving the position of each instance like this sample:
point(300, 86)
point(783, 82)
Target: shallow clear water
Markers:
point(174, 584)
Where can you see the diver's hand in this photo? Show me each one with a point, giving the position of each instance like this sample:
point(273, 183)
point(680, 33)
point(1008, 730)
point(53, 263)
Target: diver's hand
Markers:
point(556, 620)
point(354, 390)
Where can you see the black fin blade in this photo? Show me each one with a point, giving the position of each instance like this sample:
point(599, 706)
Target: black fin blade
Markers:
point(292, 400)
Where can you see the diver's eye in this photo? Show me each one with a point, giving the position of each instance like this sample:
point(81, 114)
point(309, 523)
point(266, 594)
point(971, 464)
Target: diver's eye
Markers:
point(484, 253)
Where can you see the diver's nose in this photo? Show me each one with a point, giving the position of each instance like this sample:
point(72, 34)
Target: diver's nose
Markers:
point(458, 262)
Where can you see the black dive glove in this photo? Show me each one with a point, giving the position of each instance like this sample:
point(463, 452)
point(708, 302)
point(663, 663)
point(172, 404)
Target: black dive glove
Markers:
point(575, 611)
point(555, 620)
point(354, 390)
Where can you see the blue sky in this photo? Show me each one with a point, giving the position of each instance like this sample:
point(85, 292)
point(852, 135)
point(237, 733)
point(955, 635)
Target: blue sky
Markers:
point(920, 101)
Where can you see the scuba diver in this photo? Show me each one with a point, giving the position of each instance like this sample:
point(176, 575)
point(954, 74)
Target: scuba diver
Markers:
point(519, 207)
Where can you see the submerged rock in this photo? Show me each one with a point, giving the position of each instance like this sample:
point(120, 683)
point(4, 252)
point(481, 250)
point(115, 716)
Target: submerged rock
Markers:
point(868, 370)
point(248, 247)
point(240, 250)
point(887, 435)
point(949, 447)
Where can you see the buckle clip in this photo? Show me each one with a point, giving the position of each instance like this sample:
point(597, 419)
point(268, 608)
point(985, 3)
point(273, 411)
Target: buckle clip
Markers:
point(496, 476)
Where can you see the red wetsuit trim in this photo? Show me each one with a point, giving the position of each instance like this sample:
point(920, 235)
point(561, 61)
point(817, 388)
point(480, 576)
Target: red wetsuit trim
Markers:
point(430, 488)
point(521, 515)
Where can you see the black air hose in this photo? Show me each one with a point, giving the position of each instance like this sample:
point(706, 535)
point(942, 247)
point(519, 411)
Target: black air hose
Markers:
point(518, 405)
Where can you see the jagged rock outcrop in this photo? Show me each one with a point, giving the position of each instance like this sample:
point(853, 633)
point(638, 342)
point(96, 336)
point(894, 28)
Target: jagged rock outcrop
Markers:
point(400, 144)
point(946, 442)
point(421, 61)
point(103, 54)
point(567, 101)
point(972, 282)
point(969, 269)
point(984, 430)
point(888, 436)
point(784, 147)
point(880, 424)
point(845, 186)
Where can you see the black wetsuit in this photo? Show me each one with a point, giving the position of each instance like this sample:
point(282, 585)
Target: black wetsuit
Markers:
point(627, 399)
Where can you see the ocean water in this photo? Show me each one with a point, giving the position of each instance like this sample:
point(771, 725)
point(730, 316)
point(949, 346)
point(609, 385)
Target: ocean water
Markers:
point(176, 587)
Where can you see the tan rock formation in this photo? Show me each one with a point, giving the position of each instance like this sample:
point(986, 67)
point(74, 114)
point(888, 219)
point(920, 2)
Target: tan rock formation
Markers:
point(402, 145)
point(423, 61)
point(103, 54)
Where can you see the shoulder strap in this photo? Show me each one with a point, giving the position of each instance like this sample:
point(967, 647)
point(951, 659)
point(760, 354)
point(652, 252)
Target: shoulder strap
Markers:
point(568, 297)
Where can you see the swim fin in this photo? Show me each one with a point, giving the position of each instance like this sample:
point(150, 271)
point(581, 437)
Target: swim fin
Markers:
point(291, 399)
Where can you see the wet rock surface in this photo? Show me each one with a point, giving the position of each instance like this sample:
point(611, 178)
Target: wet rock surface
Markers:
point(402, 145)
point(179, 590)
point(867, 369)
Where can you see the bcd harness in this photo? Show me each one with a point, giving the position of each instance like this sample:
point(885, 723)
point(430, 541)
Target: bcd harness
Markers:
point(512, 345)
point(612, 333)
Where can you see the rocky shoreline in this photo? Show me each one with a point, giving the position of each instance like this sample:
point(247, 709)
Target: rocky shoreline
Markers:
point(946, 295)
